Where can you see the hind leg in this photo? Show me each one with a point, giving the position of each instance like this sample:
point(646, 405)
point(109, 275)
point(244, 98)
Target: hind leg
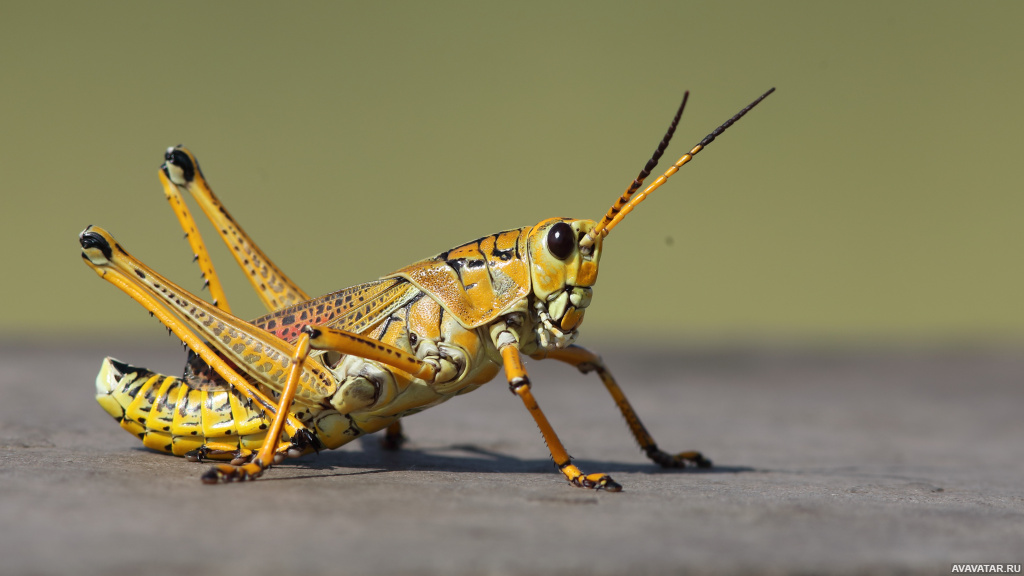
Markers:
point(259, 355)
point(180, 173)
point(266, 455)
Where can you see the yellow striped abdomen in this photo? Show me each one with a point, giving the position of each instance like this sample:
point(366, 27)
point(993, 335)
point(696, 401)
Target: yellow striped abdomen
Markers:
point(170, 415)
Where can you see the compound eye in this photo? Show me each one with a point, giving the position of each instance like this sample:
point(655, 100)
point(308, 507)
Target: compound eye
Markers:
point(561, 240)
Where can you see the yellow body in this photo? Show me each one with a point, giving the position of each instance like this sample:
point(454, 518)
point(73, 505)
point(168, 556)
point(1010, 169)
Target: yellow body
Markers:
point(439, 309)
point(318, 373)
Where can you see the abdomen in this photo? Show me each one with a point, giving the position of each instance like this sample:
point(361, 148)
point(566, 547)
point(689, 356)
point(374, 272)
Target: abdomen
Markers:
point(170, 415)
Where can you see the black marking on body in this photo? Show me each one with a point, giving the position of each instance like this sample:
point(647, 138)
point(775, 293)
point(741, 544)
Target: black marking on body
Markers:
point(134, 390)
point(387, 324)
point(352, 430)
point(503, 255)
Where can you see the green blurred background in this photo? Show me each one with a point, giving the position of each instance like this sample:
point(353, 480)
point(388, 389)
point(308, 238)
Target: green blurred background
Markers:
point(874, 197)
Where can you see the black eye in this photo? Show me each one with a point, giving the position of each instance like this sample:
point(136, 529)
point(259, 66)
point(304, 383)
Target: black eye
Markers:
point(561, 240)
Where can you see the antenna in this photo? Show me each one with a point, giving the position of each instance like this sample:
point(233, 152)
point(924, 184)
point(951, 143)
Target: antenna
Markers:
point(625, 204)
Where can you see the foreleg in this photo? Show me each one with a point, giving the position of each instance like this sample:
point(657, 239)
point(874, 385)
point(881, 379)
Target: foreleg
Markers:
point(519, 383)
point(586, 361)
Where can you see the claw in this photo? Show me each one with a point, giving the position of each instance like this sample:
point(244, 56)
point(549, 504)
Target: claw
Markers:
point(695, 458)
point(598, 482)
point(218, 474)
point(242, 459)
point(681, 460)
point(225, 473)
point(205, 452)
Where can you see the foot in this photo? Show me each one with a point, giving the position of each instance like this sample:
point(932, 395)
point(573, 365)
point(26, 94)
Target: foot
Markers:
point(225, 473)
point(681, 460)
point(392, 442)
point(597, 482)
point(203, 453)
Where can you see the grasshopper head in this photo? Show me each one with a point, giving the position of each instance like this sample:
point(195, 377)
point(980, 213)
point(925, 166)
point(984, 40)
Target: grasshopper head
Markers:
point(562, 277)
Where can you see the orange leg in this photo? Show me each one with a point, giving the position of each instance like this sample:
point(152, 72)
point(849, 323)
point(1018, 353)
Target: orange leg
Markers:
point(519, 383)
point(156, 294)
point(274, 288)
point(261, 355)
point(350, 343)
point(393, 437)
point(96, 251)
point(586, 361)
point(265, 457)
point(200, 254)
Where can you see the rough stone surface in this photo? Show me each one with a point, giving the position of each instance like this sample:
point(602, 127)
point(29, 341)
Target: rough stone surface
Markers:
point(827, 462)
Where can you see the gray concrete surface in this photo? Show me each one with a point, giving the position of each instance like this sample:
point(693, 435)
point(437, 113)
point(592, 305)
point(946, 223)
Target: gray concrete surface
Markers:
point(832, 462)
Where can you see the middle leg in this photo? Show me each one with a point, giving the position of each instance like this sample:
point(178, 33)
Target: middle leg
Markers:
point(393, 437)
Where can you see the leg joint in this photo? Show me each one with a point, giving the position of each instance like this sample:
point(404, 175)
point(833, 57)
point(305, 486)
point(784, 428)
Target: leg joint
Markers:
point(515, 384)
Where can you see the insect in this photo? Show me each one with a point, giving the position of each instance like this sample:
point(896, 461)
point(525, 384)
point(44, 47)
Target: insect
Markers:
point(317, 373)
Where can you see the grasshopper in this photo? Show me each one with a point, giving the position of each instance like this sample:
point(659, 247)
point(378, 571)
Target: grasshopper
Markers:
point(317, 373)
